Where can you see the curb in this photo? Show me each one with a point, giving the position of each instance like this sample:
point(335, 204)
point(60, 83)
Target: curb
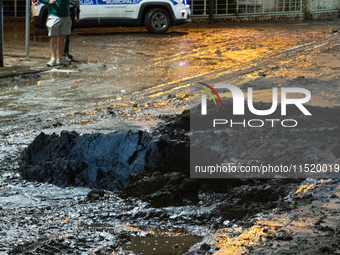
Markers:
point(2, 76)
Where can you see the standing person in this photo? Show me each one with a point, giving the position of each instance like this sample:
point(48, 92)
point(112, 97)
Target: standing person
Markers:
point(74, 11)
point(58, 25)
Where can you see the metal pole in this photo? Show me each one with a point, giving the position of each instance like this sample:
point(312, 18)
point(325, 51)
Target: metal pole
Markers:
point(284, 6)
point(15, 8)
point(27, 35)
point(192, 7)
point(205, 7)
point(262, 6)
point(1, 34)
point(211, 11)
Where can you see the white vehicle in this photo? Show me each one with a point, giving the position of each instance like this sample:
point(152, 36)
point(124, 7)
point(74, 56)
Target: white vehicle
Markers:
point(156, 15)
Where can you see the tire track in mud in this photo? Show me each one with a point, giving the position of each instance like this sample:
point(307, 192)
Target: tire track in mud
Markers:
point(213, 49)
point(293, 54)
point(123, 103)
point(232, 43)
point(194, 52)
point(236, 71)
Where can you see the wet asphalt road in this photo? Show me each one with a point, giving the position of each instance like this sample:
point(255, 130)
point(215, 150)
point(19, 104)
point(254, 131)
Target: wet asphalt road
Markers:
point(115, 62)
point(126, 78)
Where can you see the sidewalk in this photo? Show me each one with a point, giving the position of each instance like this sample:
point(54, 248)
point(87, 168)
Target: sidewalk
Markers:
point(15, 61)
point(18, 65)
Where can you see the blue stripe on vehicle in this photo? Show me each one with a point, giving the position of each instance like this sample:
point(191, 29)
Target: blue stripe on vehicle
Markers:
point(110, 2)
point(87, 2)
point(173, 2)
point(114, 2)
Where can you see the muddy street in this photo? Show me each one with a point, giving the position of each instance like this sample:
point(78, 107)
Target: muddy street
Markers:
point(115, 63)
point(109, 175)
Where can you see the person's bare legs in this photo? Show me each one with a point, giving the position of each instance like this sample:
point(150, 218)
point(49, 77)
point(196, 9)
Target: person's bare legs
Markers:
point(61, 46)
point(54, 46)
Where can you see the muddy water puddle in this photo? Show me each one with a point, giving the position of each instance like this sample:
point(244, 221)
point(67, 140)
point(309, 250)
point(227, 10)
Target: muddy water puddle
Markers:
point(161, 245)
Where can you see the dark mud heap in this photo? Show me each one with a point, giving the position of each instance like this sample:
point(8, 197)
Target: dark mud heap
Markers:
point(103, 161)
point(154, 166)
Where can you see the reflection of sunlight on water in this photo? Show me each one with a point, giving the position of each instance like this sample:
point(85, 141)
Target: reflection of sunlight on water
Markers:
point(233, 240)
point(271, 223)
point(304, 188)
point(169, 91)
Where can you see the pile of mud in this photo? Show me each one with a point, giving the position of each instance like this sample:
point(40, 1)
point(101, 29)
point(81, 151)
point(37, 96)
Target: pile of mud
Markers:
point(97, 160)
point(154, 166)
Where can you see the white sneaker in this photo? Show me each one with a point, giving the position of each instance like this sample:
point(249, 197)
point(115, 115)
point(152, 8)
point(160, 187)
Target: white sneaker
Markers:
point(52, 62)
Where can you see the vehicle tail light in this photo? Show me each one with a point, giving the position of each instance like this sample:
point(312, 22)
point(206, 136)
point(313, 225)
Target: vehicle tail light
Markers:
point(34, 1)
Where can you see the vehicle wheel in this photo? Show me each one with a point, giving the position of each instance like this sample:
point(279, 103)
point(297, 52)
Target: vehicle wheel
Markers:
point(157, 21)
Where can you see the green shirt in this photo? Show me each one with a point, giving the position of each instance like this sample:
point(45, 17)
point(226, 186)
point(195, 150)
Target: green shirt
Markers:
point(59, 8)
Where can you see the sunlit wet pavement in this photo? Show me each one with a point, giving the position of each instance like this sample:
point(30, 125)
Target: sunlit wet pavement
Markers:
point(114, 60)
point(127, 79)
point(117, 62)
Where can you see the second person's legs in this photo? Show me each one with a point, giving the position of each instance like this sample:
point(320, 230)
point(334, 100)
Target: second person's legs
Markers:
point(67, 43)
point(60, 46)
point(64, 37)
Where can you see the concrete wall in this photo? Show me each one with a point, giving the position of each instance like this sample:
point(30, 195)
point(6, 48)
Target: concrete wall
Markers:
point(316, 5)
point(322, 9)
